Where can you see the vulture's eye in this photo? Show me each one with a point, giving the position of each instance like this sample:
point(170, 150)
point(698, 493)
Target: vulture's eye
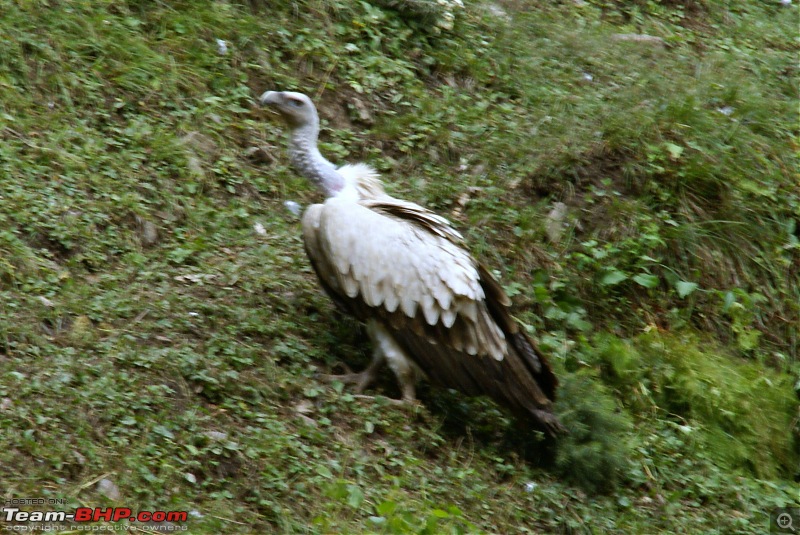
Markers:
point(295, 103)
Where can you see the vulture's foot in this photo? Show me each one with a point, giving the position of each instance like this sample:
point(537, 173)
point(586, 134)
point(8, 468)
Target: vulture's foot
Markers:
point(361, 380)
point(409, 393)
point(396, 402)
point(549, 423)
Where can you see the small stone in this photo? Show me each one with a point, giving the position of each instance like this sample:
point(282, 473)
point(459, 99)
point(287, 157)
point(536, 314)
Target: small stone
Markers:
point(639, 38)
point(498, 11)
point(147, 231)
point(259, 154)
point(293, 207)
point(202, 144)
point(79, 457)
point(363, 112)
point(304, 407)
point(216, 435)
point(194, 165)
point(107, 488)
point(554, 224)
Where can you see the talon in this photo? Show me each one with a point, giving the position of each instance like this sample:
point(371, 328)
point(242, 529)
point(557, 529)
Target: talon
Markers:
point(411, 403)
point(409, 393)
point(550, 423)
point(360, 380)
point(346, 378)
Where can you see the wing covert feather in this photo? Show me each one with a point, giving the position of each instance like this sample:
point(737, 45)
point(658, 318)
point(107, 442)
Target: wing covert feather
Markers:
point(402, 269)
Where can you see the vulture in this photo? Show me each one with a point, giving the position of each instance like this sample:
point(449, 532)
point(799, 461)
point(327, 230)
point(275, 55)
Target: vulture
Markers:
point(431, 310)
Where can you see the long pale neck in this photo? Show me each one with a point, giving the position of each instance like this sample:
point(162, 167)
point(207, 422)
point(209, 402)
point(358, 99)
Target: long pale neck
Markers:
point(308, 161)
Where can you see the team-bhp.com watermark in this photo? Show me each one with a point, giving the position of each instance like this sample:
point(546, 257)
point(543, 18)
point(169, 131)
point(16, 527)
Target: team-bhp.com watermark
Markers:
point(40, 516)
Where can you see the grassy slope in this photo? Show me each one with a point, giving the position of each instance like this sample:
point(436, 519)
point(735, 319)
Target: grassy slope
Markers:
point(141, 315)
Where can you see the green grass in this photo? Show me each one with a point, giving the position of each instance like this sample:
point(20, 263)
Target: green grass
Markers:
point(149, 336)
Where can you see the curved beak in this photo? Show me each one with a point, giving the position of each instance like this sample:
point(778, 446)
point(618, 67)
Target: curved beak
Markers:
point(269, 98)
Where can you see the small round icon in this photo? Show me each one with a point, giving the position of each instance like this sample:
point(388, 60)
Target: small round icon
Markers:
point(784, 521)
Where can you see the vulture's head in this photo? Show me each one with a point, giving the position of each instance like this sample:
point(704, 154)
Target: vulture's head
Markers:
point(295, 108)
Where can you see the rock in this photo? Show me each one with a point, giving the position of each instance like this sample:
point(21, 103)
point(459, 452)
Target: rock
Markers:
point(304, 407)
point(497, 10)
point(293, 207)
point(194, 165)
point(463, 199)
point(555, 222)
point(147, 231)
point(216, 435)
point(639, 38)
point(202, 145)
point(107, 488)
point(363, 112)
point(259, 155)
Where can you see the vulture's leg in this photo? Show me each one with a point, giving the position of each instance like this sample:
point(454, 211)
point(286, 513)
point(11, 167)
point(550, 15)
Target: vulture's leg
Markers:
point(386, 349)
point(363, 379)
point(403, 367)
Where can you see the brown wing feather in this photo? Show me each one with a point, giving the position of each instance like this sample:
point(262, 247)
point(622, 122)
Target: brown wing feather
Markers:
point(538, 365)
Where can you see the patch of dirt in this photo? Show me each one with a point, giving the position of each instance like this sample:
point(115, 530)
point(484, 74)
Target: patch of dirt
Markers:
point(601, 171)
point(593, 171)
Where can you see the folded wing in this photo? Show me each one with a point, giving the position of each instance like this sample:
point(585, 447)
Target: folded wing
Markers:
point(399, 263)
